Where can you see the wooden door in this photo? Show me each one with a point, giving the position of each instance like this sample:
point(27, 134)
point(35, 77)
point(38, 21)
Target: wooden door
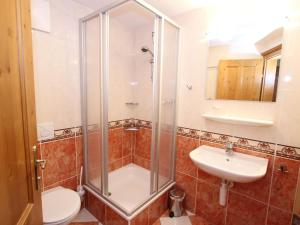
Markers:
point(250, 80)
point(19, 195)
point(271, 73)
point(240, 79)
point(228, 78)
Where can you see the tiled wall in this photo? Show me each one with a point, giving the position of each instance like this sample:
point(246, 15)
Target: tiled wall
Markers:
point(56, 65)
point(120, 147)
point(63, 155)
point(136, 144)
point(108, 217)
point(268, 201)
point(142, 153)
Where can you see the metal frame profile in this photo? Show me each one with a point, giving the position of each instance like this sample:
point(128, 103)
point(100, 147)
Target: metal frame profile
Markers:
point(103, 16)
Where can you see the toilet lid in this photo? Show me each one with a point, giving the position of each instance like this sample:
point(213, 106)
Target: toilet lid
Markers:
point(59, 204)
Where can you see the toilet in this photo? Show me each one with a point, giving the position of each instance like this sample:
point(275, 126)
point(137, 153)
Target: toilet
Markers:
point(60, 206)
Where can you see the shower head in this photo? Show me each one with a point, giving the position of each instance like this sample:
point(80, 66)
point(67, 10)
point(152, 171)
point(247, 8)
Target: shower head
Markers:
point(146, 49)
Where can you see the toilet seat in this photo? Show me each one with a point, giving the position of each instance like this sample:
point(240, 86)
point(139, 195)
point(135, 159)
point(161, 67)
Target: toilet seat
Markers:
point(59, 205)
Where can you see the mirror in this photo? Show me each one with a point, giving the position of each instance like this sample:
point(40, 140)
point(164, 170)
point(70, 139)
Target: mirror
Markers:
point(243, 69)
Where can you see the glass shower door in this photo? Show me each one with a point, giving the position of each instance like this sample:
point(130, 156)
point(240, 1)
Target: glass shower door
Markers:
point(167, 104)
point(129, 95)
point(91, 100)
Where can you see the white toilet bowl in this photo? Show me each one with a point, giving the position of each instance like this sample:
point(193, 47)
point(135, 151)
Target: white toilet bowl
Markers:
point(60, 206)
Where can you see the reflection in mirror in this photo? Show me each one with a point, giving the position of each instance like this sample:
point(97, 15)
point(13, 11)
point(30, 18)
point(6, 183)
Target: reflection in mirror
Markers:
point(243, 69)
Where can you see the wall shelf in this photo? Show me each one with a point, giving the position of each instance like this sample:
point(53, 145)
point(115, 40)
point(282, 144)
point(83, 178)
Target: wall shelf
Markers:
point(238, 120)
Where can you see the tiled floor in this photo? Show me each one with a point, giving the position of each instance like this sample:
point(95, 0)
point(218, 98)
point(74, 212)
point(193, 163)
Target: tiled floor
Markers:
point(187, 219)
point(84, 217)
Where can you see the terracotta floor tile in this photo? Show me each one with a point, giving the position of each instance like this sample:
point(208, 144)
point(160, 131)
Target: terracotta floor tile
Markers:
point(194, 220)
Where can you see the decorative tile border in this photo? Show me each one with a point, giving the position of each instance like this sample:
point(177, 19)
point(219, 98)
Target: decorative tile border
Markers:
point(215, 137)
point(255, 145)
point(288, 152)
point(187, 132)
point(115, 124)
point(129, 123)
point(143, 123)
point(76, 131)
point(61, 134)
point(241, 142)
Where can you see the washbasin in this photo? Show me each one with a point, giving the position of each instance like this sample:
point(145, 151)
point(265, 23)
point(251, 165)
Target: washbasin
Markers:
point(236, 167)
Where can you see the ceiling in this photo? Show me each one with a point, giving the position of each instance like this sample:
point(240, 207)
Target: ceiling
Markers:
point(131, 16)
point(168, 7)
point(226, 19)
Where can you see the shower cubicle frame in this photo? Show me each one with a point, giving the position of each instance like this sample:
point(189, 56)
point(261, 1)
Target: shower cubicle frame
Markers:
point(160, 19)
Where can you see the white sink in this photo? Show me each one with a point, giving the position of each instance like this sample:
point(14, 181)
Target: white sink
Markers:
point(237, 167)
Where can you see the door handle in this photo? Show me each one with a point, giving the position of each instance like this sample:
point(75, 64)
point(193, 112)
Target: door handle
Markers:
point(38, 162)
point(41, 163)
point(37, 177)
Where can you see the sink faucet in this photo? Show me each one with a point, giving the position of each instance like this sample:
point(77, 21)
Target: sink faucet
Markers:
point(229, 148)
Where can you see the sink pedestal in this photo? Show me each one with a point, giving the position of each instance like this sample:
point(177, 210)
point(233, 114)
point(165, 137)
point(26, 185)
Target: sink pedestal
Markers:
point(223, 192)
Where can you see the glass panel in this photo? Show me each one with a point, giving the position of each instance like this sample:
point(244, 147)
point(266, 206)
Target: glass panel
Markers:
point(130, 104)
point(93, 100)
point(167, 103)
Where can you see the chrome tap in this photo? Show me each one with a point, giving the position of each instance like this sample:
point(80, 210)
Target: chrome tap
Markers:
point(229, 148)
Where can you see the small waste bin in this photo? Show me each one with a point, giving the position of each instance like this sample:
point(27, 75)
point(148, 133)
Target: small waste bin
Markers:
point(175, 204)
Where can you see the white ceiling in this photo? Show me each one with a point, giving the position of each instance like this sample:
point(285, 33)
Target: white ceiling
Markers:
point(168, 7)
point(131, 15)
point(226, 18)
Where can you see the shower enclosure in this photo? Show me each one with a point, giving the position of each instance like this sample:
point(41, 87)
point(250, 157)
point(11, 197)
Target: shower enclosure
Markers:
point(129, 54)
